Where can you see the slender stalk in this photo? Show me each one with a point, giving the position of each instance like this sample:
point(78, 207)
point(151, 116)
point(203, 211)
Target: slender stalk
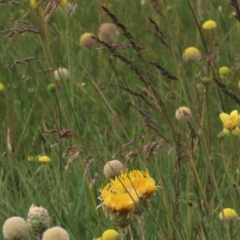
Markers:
point(142, 227)
point(60, 144)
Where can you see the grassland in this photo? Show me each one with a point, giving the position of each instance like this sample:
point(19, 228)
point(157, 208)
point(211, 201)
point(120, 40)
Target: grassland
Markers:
point(111, 97)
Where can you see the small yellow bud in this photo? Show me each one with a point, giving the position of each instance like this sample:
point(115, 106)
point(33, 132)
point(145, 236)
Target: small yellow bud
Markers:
point(223, 71)
point(113, 168)
point(183, 114)
point(228, 214)
point(43, 159)
point(1, 87)
point(208, 25)
point(87, 40)
point(192, 54)
point(52, 87)
point(110, 234)
point(206, 81)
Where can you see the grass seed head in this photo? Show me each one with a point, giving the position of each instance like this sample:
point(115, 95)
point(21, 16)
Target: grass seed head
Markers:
point(15, 228)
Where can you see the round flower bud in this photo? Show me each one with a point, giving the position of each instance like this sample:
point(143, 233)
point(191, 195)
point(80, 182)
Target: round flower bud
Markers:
point(206, 80)
point(52, 87)
point(192, 54)
point(183, 114)
point(61, 74)
point(44, 159)
point(56, 233)
point(15, 228)
point(239, 84)
point(228, 214)
point(38, 219)
point(223, 71)
point(113, 168)
point(209, 24)
point(87, 40)
point(108, 32)
point(110, 234)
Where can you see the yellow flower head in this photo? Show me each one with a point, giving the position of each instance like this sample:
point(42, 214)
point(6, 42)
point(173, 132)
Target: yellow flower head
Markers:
point(110, 234)
point(63, 2)
point(1, 87)
point(99, 238)
point(183, 114)
point(192, 54)
point(209, 24)
point(125, 191)
point(44, 159)
point(230, 122)
point(33, 3)
point(223, 71)
point(228, 214)
point(87, 40)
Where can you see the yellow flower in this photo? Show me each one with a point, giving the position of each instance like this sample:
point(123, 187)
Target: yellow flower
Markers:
point(125, 191)
point(63, 2)
point(1, 87)
point(228, 214)
point(209, 24)
point(192, 54)
point(33, 3)
point(87, 40)
point(223, 71)
point(43, 159)
point(99, 238)
point(183, 114)
point(110, 234)
point(230, 122)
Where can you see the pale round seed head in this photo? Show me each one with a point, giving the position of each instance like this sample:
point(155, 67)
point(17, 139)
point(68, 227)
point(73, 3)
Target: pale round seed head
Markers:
point(183, 114)
point(108, 32)
point(61, 74)
point(87, 40)
point(15, 228)
point(38, 219)
point(56, 233)
point(113, 168)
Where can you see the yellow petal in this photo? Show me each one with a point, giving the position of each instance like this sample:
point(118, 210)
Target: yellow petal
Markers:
point(234, 114)
point(225, 131)
point(236, 131)
point(224, 117)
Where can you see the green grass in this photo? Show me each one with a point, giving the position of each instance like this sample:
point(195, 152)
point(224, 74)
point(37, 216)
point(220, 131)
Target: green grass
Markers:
point(196, 175)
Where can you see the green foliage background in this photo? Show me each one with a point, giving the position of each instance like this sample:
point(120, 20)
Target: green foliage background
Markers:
point(97, 111)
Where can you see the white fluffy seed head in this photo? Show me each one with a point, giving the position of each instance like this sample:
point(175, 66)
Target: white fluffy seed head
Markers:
point(15, 228)
point(56, 233)
point(61, 74)
point(113, 168)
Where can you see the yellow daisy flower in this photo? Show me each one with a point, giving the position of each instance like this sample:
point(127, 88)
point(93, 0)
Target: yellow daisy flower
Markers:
point(230, 122)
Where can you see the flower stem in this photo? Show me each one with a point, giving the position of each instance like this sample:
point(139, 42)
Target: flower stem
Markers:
point(142, 227)
point(60, 127)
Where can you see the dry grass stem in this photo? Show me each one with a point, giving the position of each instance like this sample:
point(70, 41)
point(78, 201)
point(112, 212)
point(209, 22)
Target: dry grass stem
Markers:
point(21, 61)
point(234, 3)
point(10, 1)
point(125, 146)
point(17, 31)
